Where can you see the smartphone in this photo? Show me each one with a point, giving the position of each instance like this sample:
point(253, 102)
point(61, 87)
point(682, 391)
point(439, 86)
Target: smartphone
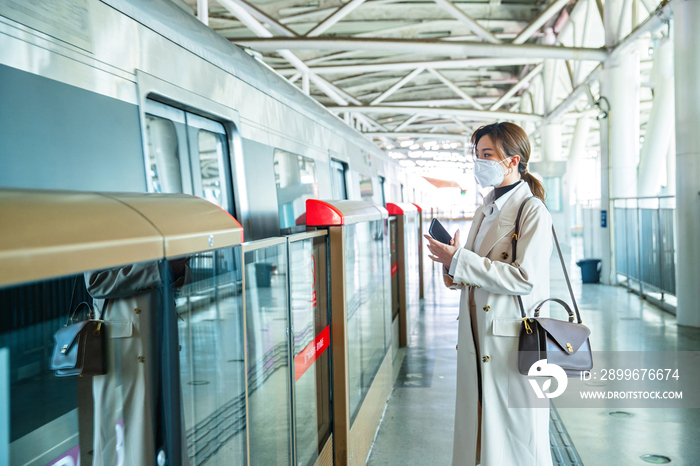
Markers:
point(438, 232)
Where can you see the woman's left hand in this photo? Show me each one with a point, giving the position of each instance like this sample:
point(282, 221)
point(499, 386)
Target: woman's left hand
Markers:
point(442, 253)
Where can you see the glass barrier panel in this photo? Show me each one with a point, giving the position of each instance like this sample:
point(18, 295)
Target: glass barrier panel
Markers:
point(267, 324)
point(53, 419)
point(411, 241)
point(394, 257)
point(365, 248)
point(209, 306)
point(311, 345)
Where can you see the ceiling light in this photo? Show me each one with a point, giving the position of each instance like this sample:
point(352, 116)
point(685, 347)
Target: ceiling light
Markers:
point(415, 147)
point(406, 143)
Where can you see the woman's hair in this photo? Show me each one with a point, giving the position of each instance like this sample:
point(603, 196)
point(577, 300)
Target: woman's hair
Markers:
point(510, 139)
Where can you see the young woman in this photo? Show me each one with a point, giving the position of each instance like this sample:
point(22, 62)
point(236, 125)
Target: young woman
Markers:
point(487, 431)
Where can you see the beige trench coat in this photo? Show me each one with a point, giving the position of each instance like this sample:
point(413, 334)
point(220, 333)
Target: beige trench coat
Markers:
point(489, 281)
point(124, 397)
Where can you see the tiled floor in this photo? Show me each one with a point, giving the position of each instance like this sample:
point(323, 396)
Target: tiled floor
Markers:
point(417, 428)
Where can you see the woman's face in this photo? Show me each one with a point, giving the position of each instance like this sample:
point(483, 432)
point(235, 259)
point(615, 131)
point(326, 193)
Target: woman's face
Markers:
point(485, 149)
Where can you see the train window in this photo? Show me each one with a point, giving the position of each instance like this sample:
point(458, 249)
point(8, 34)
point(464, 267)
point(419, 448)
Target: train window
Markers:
point(403, 195)
point(366, 188)
point(295, 177)
point(165, 174)
point(209, 159)
point(187, 153)
point(338, 170)
point(382, 182)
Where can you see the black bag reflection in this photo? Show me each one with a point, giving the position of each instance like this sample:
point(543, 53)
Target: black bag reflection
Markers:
point(124, 398)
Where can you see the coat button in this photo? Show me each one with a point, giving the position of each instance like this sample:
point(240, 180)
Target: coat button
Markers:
point(137, 310)
point(141, 359)
point(464, 284)
point(485, 359)
point(487, 308)
point(504, 256)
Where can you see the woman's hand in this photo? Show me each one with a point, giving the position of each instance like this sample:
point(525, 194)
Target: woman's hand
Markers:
point(443, 253)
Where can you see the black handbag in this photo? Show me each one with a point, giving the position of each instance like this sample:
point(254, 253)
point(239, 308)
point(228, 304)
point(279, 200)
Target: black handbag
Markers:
point(79, 347)
point(560, 342)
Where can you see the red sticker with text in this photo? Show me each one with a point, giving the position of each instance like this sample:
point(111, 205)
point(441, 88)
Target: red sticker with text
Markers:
point(394, 268)
point(313, 350)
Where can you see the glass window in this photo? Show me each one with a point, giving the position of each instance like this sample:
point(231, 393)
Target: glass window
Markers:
point(338, 170)
point(295, 177)
point(211, 156)
point(366, 188)
point(164, 174)
point(382, 183)
point(553, 194)
point(311, 323)
point(269, 364)
point(209, 307)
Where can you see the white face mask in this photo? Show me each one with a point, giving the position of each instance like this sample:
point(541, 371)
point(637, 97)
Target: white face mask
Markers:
point(488, 172)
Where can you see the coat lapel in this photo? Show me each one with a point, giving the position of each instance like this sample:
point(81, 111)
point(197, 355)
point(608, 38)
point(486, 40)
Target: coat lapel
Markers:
point(506, 219)
point(478, 218)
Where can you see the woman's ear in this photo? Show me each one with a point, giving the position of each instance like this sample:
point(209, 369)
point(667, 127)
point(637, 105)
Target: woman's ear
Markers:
point(515, 161)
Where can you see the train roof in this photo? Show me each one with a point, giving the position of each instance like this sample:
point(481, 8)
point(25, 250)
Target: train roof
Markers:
point(170, 21)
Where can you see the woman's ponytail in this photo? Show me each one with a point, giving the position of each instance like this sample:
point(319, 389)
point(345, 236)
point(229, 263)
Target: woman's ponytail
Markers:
point(536, 186)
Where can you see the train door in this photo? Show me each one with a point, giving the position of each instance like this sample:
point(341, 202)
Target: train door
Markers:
point(186, 153)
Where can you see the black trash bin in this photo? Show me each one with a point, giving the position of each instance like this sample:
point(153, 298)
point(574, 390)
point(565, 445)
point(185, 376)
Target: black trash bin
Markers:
point(590, 270)
point(263, 274)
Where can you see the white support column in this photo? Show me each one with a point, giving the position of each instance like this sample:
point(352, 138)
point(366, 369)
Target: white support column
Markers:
point(660, 124)
point(576, 153)
point(620, 86)
point(686, 14)
point(619, 132)
point(671, 164)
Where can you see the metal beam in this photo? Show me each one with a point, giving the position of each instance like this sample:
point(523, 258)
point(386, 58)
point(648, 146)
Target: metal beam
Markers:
point(258, 29)
point(334, 18)
point(412, 65)
point(397, 86)
point(582, 88)
point(203, 11)
point(545, 16)
point(653, 23)
point(456, 89)
point(474, 114)
point(511, 92)
point(406, 123)
point(455, 136)
point(427, 47)
point(464, 18)
point(260, 16)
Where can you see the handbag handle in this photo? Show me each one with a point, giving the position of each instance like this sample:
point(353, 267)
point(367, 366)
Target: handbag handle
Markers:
point(558, 301)
point(91, 311)
point(514, 242)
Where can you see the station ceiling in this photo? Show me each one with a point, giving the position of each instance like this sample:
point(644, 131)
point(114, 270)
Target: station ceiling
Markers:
point(428, 72)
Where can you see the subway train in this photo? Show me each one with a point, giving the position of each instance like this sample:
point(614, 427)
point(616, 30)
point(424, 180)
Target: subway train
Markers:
point(120, 120)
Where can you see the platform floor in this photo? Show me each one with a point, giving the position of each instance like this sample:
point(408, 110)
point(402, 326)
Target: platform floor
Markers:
point(417, 428)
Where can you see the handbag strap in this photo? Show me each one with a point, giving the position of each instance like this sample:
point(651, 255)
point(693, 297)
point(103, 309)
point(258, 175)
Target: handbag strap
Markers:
point(514, 243)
